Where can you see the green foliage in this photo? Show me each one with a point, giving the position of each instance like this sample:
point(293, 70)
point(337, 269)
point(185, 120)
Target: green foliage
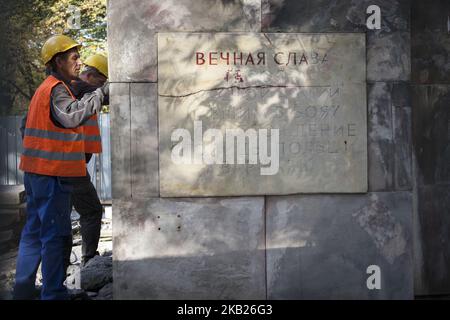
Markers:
point(24, 27)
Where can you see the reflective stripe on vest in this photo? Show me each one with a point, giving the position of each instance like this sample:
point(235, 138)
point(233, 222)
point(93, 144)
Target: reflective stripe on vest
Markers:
point(59, 135)
point(61, 156)
point(93, 143)
point(48, 149)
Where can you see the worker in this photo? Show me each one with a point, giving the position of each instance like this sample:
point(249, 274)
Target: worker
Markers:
point(84, 196)
point(53, 149)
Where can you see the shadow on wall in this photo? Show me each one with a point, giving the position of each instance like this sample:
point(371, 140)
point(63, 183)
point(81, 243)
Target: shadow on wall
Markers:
point(221, 249)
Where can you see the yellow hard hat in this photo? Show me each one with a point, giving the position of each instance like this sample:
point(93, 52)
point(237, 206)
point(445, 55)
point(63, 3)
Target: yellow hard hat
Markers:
point(99, 62)
point(56, 44)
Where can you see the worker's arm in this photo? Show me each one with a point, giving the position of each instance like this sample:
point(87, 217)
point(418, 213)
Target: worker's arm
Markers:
point(70, 112)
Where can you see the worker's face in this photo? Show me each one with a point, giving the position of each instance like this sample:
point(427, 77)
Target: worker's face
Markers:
point(69, 65)
point(95, 79)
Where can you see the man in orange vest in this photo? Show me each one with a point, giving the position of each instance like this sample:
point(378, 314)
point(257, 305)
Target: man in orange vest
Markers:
point(84, 196)
point(54, 147)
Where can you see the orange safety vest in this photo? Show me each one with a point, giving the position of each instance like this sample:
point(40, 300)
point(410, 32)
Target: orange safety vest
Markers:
point(93, 142)
point(48, 149)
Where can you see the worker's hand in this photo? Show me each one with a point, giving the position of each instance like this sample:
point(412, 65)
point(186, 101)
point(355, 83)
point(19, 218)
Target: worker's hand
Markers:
point(105, 89)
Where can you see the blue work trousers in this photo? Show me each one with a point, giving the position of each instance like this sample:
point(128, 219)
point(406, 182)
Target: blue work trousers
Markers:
point(44, 238)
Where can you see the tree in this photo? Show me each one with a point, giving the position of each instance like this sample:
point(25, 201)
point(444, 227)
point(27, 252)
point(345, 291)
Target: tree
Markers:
point(25, 25)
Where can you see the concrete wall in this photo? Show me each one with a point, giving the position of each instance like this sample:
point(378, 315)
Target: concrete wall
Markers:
point(278, 247)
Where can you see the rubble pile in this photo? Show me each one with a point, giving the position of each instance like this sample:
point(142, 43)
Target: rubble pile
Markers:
point(94, 279)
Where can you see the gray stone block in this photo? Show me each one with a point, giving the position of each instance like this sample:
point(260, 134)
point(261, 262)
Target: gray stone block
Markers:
point(389, 137)
point(380, 138)
point(206, 248)
point(388, 49)
point(332, 15)
point(430, 57)
point(144, 140)
point(319, 247)
point(431, 133)
point(430, 41)
point(120, 140)
point(434, 236)
point(402, 148)
point(388, 56)
point(429, 15)
point(317, 108)
point(133, 26)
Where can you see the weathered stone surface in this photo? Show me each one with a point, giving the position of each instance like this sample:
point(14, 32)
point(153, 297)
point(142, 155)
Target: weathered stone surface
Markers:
point(430, 43)
point(388, 49)
point(430, 57)
point(403, 148)
point(380, 138)
point(389, 135)
point(144, 140)
point(429, 15)
point(331, 15)
point(431, 133)
point(319, 247)
point(433, 234)
point(120, 140)
point(388, 56)
point(189, 249)
point(133, 26)
point(321, 117)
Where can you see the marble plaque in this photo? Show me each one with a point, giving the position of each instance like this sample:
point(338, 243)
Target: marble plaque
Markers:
point(255, 114)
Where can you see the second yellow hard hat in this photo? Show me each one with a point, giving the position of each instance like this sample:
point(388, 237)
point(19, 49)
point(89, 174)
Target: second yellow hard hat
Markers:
point(99, 62)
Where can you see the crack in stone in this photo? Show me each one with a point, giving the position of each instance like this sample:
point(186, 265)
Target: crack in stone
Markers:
point(240, 88)
point(268, 39)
